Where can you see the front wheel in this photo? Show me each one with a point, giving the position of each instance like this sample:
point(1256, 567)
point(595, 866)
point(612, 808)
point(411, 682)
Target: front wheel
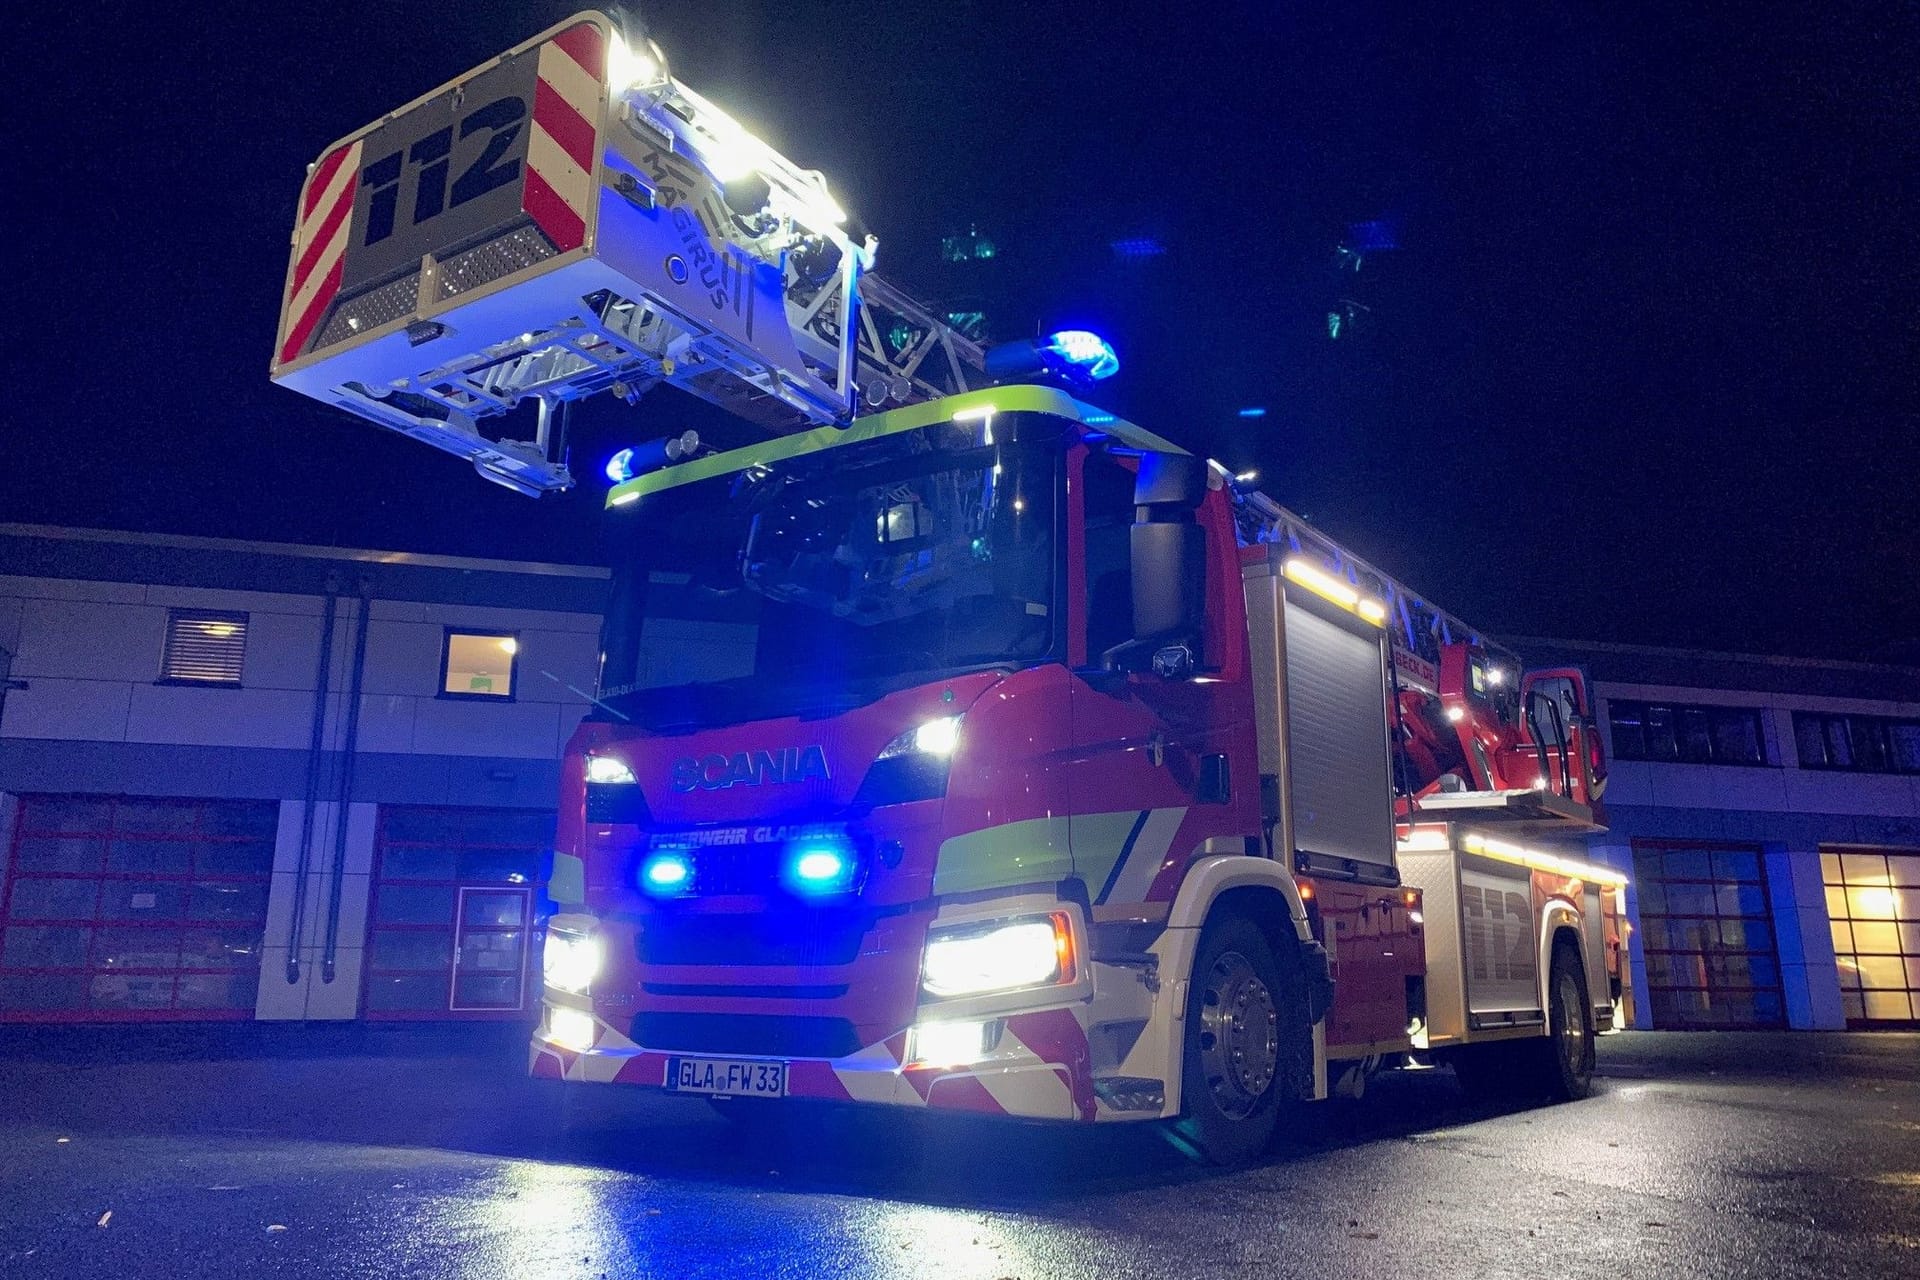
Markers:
point(1247, 1042)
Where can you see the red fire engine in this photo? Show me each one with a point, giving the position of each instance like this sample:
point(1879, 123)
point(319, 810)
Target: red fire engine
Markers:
point(961, 745)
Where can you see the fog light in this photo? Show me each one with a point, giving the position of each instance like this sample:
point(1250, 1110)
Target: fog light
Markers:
point(570, 1028)
point(950, 1044)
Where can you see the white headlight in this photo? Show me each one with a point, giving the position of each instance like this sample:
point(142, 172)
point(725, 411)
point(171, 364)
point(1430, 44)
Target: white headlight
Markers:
point(1006, 957)
point(571, 961)
point(605, 769)
point(937, 737)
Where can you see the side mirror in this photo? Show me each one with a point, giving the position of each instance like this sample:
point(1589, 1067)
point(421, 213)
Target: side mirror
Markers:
point(1168, 560)
point(1175, 481)
point(1169, 584)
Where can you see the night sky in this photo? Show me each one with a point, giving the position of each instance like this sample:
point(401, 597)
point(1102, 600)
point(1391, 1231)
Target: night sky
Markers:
point(1641, 368)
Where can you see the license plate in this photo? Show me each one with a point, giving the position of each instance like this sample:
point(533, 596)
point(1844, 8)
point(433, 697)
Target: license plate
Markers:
point(727, 1077)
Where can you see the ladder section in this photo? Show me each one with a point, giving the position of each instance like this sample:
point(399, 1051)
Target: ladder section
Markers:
point(569, 219)
point(1418, 629)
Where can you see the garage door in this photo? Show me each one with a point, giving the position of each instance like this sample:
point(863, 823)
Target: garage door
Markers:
point(1706, 931)
point(132, 908)
point(452, 918)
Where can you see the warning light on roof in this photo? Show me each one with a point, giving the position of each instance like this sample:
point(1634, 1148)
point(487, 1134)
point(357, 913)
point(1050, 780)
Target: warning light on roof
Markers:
point(1254, 411)
point(1089, 352)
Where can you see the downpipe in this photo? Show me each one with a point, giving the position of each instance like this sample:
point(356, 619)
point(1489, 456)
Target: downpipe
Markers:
point(348, 749)
point(316, 743)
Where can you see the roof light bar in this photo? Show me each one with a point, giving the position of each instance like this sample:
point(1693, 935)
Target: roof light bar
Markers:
point(1335, 591)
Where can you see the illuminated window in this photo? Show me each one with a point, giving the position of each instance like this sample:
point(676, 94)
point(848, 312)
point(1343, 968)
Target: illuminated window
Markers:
point(479, 664)
point(204, 647)
point(1873, 903)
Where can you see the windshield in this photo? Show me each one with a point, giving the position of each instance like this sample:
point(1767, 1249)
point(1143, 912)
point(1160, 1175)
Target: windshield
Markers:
point(831, 579)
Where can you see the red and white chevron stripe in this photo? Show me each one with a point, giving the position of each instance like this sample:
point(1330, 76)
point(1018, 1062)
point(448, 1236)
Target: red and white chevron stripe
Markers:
point(320, 245)
point(565, 142)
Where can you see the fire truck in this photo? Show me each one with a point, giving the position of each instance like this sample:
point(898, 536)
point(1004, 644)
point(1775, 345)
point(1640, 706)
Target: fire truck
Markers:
point(958, 743)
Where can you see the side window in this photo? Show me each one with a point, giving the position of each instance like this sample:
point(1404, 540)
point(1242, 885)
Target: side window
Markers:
point(1108, 490)
point(479, 664)
point(204, 646)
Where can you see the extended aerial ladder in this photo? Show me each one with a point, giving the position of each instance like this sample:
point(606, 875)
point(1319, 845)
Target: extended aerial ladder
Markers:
point(569, 219)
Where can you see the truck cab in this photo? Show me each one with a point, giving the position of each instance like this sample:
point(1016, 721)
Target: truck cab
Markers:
point(903, 806)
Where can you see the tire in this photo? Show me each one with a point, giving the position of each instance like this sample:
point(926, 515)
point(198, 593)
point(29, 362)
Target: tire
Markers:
point(1557, 1066)
point(1563, 1062)
point(1248, 1048)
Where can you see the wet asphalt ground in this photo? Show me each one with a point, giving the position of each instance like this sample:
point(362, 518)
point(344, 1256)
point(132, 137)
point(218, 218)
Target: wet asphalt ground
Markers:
point(422, 1152)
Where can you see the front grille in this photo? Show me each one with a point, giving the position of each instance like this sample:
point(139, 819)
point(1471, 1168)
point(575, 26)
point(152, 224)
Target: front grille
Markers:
point(739, 869)
point(755, 1034)
point(620, 802)
point(779, 938)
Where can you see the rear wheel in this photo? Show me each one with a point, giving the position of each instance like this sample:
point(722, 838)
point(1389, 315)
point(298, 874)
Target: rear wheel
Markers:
point(1563, 1063)
point(1248, 1045)
point(1558, 1065)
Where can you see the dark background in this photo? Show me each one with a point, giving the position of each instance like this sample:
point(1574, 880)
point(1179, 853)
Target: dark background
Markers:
point(1641, 367)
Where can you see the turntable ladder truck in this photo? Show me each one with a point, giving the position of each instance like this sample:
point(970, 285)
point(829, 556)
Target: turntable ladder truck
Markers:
point(1031, 765)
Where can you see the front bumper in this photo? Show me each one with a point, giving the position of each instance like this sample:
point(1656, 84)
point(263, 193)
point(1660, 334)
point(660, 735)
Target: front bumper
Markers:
point(1040, 1069)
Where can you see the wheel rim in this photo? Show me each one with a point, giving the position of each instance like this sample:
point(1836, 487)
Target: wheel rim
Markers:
point(1573, 1027)
point(1239, 1035)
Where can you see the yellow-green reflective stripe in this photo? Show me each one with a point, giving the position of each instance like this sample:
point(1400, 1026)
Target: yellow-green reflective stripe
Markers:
point(1032, 851)
point(567, 885)
point(1017, 399)
point(1045, 850)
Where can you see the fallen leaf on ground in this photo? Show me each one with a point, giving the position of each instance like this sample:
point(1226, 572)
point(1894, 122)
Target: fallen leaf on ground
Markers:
point(276, 1226)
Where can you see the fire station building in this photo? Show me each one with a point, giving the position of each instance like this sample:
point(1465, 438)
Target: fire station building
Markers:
point(250, 780)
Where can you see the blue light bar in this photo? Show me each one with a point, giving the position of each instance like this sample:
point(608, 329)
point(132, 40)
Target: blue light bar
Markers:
point(1089, 351)
point(1254, 411)
point(666, 873)
point(819, 867)
point(651, 456)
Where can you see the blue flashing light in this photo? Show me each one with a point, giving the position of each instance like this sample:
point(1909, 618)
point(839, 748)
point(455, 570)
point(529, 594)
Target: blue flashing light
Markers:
point(666, 873)
point(1254, 411)
point(816, 867)
point(1089, 351)
point(1138, 247)
point(620, 467)
point(1097, 419)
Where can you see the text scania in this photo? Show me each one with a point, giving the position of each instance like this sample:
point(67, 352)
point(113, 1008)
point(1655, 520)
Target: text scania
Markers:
point(749, 769)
